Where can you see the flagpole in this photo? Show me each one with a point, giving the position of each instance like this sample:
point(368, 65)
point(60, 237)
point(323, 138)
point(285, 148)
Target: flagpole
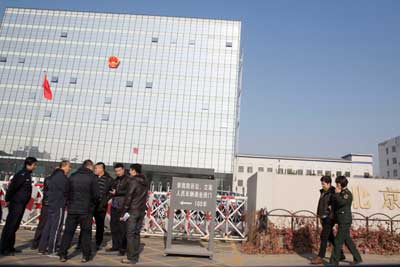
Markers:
point(36, 119)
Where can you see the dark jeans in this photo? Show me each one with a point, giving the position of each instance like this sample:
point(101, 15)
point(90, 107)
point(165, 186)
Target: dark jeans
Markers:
point(327, 235)
point(52, 231)
point(42, 223)
point(118, 230)
point(99, 217)
point(134, 225)
point(13, 221)
point(72, 222)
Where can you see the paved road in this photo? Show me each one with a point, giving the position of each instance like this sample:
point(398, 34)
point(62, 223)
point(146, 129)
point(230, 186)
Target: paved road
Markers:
point(226, 254)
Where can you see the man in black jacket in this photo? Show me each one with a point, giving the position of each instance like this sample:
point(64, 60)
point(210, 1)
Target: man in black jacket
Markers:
point(134, 211)
point(105, 183)
point(82, 196)
point(17, 197)
point(43, 215)
point(325, 213)
point(57, 189)
point(118, 227)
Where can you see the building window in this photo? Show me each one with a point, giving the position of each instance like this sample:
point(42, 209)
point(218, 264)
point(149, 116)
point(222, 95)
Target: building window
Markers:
point(104, 117)
point(270, 170)
point(320, 172)
point(73, 80)
point(54, 79)
point(388, 174)
point(347, 174)
point(32, 95)
point(280, 170)
point(290, 171)
point(129, 83)
point(387, 162)
point(393, 149)
point(366, 175)
point(47, 113)
point(309, 172)
point(241, 169)
point(387, 151)
point(394, 173)
point(228, 44)
point(174, 41)
point(21, 60)
point(338, 173)
point(328, 173)
point(149, 84)
point(64, 34)
point(250, 169)
point(240, 182)
point(154, 39)
point(107, 100)
point(192, 42)
point(70, 98)
point(261, 169)
point(300, 172)
point(3, 59)
point(394, 160)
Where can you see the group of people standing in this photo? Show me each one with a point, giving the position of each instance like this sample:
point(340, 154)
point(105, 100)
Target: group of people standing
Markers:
point(334, 207)
point(82, 196)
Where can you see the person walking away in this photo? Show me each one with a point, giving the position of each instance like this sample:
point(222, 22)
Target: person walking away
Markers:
point(82, 196)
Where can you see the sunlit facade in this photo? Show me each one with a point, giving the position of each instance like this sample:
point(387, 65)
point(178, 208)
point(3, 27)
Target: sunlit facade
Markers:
point(173, 100)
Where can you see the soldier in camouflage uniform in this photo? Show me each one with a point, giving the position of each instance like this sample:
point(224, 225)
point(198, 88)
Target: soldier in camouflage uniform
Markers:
point(342, 200)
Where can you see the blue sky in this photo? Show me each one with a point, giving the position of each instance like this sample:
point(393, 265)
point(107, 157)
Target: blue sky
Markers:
point(321, 78)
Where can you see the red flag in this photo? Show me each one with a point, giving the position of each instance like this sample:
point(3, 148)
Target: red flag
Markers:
point(46, 89)
point(135, 150)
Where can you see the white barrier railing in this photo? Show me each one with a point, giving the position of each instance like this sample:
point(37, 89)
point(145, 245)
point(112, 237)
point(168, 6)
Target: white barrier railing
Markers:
point(230, 223)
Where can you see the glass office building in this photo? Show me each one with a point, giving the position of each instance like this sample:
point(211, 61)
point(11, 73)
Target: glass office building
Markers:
point(170, 99)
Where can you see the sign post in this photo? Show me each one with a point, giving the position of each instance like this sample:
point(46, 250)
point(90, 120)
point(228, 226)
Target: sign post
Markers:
point(189, 194)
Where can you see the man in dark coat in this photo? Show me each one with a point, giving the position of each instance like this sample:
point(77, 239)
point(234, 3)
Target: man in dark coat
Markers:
point(57, 189)
point(118, 227)
point(105, 183)
point(82, 196)
point(325, 214)
point(342, 200)
point(17, 197)
point(134, 211)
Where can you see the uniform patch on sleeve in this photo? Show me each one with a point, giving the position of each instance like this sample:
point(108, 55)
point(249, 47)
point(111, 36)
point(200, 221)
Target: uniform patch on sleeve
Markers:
point(346, 196)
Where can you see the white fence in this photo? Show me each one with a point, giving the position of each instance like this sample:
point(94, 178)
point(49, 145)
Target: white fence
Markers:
point(230, 221)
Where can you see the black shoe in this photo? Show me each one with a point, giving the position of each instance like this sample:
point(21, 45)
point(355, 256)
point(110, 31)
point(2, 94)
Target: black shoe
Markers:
point(112, 249)
point(121, 253)
point(14, 250)
point(126, 261)
point(356, 262)
point(342, 258)
point(7, 253)
point(84, 260)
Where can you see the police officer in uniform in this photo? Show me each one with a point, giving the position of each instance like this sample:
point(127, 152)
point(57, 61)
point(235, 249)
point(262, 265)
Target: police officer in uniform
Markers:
point(17, 197)
point(342, 200)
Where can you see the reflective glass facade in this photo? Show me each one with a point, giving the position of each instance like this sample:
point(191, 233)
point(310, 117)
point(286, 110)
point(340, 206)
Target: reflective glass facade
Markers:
point(173, 100)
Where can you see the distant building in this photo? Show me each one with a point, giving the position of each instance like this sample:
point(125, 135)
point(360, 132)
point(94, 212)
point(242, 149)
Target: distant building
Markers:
point(351, 165)
point(389, 158)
